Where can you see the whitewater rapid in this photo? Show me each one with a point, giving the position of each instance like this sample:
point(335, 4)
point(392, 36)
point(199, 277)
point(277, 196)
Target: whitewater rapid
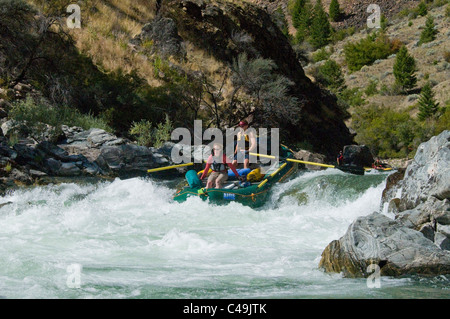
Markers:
point(129, 239)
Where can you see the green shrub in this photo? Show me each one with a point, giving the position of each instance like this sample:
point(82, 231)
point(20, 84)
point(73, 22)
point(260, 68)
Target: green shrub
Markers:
point(429, 32)
point(335, 10)
point(163, 132)
point(321, 55)
point(404, 69)
point(147, 135)
point(386, 132)
point(341, 34)
point(351, 97)
point(371, 88)
point(143, 132)
point(443, 122)
point(330, 75)
point(320, 31)
point(428, 106)
point(38, 114)
point(422, 9)
point(366, 51)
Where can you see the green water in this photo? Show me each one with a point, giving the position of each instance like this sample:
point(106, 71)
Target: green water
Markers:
point(128, 239)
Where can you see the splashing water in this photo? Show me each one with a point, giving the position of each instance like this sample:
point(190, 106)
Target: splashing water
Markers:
point(130, 240)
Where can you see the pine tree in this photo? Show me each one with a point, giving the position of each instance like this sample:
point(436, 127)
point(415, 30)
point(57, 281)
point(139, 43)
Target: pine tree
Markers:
point(297, 11)
point(429, 33)
point(301, 19)
point(320, 27)
point(404, 69)
point(427, 104)
point(335, 10)
point(422, 9)
point(330, 75)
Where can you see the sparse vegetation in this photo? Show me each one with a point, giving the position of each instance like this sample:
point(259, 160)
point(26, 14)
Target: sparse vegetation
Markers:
point(335, 10)
point(371, 89)
point(321, 55)
point(330, 75)
point(404, 69)
point(43, 119)
point(147, 135)
point(429, 32)
point(422, 9)
point(428, 106)
point(270, 91)
point(320, 33)
point(386, 132)
point(374, 47)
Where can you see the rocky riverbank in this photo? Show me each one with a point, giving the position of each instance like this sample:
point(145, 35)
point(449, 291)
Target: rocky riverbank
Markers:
point(417, 239)
point(80, 154)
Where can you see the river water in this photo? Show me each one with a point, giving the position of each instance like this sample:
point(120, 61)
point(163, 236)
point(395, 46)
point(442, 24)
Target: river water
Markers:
point(128, 239)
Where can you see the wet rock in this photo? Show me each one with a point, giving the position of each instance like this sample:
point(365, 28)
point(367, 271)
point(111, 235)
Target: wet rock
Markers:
point(20, 177)
point(52, 166)
point(377, 239)
point(27, 155)
point(6, 151)
point(125, 159)
point(429, 173)
point(358, 155)
point(69, 169)
point(36, 173)
point(304, 155)
point(418, 239)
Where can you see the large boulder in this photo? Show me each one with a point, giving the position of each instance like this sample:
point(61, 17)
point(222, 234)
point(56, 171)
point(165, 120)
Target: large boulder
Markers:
point(127, 159)
point(417, 240)
point(308, 156)
point(396, 249)
point(429, 174)
point(162, 33)
point(358, 155)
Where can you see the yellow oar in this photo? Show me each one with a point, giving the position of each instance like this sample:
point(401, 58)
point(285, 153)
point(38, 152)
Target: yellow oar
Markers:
point(294, 160)
point(168, 167)
point(342, 168)
point(271, 175)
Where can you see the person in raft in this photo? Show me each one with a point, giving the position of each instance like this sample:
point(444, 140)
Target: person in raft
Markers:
point(218, 162)
point(340, 159)
point(249, 144)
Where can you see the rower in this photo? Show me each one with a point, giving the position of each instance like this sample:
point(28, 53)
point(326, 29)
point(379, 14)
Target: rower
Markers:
point(218, 162)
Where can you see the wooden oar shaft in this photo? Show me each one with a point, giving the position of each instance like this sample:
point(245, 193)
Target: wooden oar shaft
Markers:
point(168, 167)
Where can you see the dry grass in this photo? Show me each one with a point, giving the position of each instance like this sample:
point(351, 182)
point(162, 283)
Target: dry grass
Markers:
point(106, 31)
point(430, 57)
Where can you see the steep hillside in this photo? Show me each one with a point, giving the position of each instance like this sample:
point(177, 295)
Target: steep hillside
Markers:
point(226, 30)
point(431, 61)
point(219, 61)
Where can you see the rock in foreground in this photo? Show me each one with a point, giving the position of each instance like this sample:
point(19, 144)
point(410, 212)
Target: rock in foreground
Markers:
point(417, 241)
point(396, 249)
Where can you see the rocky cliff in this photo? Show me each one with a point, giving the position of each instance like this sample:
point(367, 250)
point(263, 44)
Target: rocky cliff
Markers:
point(417, 240)
point(225, 29)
